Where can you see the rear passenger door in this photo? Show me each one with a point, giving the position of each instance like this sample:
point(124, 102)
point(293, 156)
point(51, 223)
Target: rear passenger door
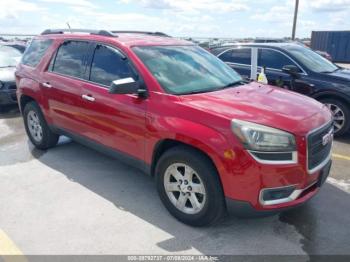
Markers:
point(239, 59)
point(63, 84)
point(114, 120)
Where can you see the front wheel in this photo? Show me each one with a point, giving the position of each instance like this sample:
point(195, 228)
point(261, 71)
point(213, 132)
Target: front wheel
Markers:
point(189, 186)
point(341, 115)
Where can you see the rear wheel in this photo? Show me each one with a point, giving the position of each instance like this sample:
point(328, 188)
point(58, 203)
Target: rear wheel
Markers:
point(189, 187)
point(36, 127)
point(341, 115)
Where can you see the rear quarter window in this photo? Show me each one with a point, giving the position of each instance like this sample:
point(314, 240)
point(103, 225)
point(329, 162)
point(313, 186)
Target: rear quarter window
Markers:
point(35, 52)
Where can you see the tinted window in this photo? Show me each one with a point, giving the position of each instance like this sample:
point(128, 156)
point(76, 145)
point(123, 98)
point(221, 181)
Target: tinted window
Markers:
point(35, 52)
point(108, 65)
point(273, 59)
point(239, 56)
point(70, 59)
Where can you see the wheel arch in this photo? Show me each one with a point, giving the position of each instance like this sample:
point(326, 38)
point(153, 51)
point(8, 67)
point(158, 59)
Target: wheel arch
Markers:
point(332, 95)
point(25, 99)
point(166, 144)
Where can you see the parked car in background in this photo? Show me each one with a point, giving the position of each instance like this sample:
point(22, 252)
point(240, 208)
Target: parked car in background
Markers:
point(10, 55)
point(172, 109)
point(269, 40)
point(297, 68)
point(324, 54)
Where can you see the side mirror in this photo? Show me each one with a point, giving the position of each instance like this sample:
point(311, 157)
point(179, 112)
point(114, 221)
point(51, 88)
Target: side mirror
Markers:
point(291, 69)
point(124, 86)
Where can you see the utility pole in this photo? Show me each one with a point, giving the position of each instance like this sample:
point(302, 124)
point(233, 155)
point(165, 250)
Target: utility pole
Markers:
point(295, 18)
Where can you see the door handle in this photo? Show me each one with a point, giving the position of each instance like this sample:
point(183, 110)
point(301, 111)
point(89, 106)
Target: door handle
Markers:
point(47, 85)
point(88, 98)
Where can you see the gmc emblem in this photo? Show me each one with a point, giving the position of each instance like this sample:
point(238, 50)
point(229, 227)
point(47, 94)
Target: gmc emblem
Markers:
point(327, 137)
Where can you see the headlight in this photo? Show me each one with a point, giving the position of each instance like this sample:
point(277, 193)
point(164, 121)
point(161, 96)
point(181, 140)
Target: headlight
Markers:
point(262, 138)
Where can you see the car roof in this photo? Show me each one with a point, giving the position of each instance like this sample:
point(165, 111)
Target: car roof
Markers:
point(273, 45)
point(218, 50)
point(122, 37)
point(148, 40)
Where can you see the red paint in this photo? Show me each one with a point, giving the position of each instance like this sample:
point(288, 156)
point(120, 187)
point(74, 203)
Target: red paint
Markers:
point(135, 126)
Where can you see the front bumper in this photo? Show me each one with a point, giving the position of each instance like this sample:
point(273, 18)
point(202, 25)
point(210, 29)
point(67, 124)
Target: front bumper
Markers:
point(297, 198)
point(8, 97)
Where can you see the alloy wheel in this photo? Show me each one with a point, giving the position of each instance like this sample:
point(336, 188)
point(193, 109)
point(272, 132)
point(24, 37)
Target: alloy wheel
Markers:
point(34, 126)
point(184, 188)
point(338, 116)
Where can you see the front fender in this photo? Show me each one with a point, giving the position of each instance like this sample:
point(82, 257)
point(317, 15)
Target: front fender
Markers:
point(208, 140)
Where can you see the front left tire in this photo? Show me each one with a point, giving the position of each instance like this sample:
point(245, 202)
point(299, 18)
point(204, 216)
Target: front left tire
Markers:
point(188, 185)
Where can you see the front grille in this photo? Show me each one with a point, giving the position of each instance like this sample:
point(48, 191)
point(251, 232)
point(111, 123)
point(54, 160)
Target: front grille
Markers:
point(317, 151)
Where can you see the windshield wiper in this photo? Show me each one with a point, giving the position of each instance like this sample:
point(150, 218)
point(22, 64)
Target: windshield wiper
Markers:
point(329, 72)
point(198, 92)
point(233, 84)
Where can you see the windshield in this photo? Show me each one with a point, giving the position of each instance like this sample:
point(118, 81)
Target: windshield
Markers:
point(187, 69)
point(312, 60)
point(9, 57)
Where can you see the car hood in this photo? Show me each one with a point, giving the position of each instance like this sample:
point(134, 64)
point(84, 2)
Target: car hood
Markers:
point(343, 74)
point(7, 74)
point(263, 104)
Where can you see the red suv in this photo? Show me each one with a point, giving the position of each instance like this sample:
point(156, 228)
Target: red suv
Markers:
point(170, 108)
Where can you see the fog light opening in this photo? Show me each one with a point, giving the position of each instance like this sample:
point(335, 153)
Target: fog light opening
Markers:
point(277, 193)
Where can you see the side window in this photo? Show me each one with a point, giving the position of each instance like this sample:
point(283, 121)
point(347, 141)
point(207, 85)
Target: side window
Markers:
point(227, 56)
point(36, 50)
point(238, 56)
point(70, 59)
point(273, 59)
point(108, 65)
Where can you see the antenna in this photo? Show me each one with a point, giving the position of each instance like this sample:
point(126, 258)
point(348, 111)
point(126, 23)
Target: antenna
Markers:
point(70, 29)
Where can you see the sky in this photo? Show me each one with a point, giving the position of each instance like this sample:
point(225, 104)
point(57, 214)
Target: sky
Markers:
point(184, 18)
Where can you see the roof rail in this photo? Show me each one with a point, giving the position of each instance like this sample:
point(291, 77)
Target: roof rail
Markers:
point(141, 32)
point(89, 31)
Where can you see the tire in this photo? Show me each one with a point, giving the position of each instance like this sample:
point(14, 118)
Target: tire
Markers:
point(35, 124)
point(210, 206)
point(340, 126)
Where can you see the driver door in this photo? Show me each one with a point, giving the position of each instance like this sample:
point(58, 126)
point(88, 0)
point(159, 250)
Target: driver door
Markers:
point(113, 120)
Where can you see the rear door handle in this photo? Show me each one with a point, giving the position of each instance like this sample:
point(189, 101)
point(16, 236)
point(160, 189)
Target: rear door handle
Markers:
point(47, 85)
point(88, 98)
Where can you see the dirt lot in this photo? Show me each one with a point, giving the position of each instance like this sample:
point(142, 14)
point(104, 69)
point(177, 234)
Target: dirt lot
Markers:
point(73, 200)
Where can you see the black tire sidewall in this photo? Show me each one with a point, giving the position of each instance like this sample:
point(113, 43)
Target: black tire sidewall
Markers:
point(214, 205)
